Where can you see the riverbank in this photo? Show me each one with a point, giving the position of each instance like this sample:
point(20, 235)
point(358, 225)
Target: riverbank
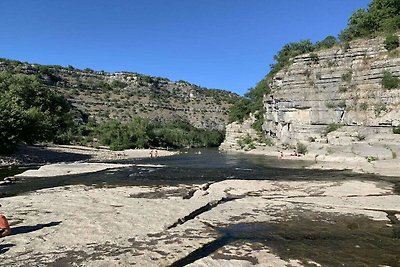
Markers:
point(39, 155)
point(358, 157)
point(71, 160)
point(235, 223)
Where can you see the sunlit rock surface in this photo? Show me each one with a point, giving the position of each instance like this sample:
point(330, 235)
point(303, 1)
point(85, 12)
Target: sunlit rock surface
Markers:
point(228, 223)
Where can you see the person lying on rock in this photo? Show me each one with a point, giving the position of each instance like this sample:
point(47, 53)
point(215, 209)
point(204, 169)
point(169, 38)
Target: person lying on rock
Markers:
point(4, 226)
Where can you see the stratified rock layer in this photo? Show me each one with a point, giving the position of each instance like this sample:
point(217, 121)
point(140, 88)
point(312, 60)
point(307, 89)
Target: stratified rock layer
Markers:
point(339, 85)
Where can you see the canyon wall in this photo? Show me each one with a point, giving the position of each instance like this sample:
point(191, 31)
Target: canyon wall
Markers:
point(341, 85)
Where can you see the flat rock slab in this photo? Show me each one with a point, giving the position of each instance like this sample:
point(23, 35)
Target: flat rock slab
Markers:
point(227, 223)
point(60, 169)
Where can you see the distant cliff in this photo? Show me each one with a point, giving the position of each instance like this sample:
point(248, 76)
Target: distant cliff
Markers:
point(124, 95)
point(345, 85)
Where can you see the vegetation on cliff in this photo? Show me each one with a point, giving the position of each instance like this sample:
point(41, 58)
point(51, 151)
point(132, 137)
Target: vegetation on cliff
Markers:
point(126, 95)
point(381, 17)
point(31, 112)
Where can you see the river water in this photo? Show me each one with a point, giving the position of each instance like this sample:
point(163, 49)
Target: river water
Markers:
point(189, 167)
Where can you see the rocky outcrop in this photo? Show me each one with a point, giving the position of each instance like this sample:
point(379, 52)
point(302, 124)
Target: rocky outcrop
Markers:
point(341, 85)
point(237, 131)
point(125, 95)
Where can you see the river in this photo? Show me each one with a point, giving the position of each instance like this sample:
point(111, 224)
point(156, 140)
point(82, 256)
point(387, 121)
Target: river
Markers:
point(189, 167)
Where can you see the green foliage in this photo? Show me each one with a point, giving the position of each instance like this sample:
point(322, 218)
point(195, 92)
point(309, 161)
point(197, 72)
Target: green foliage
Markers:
point(396, 130)
point(301, 148)
point(282, 58)
point(246, 142)
point(330, 104)
point(381, 16)
point(392, 42)
point(389, 81)
point(29, 112)
point(257, 125)
point(118, 84)
point(239, 110)
point(364, 106)
point(346, 77)
point(360, 137)
point(314, 57)
point(371, 158)
point(251, 103)
point(379, 108)
point(267, 140)
point(332, 127)
point(142, 133)
point(342, 89)
point(328, 42)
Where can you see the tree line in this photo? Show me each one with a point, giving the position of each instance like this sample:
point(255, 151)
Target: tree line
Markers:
point(30, 112)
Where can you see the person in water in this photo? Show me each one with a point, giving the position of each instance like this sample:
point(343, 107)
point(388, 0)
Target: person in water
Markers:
point(4, 226)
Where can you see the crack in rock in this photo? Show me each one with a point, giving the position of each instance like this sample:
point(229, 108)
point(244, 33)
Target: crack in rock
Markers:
point(209, 206)
point(203, 251)
point(191, 193)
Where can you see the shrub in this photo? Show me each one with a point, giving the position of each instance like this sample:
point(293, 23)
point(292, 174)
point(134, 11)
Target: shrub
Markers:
point(391, 42)
point(301, 148)
point(332, 127)
point(267, 141)
point(314, 57)
point(371, 158)
point(360, 137)
point(246, 142)
point(396, 130)
point(379, 108)
point(389, 81)
point(118, 84)
point(364, 106)
point(346, 77)
point(330, 104)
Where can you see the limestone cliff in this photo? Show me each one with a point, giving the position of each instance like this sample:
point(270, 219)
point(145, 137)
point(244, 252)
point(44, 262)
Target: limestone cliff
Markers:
point(124, 95)
point(341, 85)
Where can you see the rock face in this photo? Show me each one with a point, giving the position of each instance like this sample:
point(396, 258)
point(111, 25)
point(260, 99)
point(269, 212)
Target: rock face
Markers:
point(227, 223)
point(341, 85)
point(237, 131)
point(124, 95)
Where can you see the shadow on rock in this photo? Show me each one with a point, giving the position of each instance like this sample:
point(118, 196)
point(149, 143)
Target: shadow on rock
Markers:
point(27, 229)
point(39, 154)
point(5, 247)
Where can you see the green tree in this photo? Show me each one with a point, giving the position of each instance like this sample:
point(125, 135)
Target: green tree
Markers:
point(29, 112)
point(381, 16)
point(282, 58)
point(392, 42)
point(328, 42)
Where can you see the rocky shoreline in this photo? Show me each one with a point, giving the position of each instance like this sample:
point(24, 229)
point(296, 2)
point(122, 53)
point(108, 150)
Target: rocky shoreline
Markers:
point(339, 160)
point(235, 223)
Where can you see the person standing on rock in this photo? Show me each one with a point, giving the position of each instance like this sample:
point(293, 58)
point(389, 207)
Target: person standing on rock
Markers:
point(4, 226)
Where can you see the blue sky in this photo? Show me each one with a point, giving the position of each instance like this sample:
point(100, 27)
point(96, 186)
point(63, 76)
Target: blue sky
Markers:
point(225, 44)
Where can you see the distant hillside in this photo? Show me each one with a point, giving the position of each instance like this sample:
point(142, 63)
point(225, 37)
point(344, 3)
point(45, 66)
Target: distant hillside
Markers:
point(125, 95)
